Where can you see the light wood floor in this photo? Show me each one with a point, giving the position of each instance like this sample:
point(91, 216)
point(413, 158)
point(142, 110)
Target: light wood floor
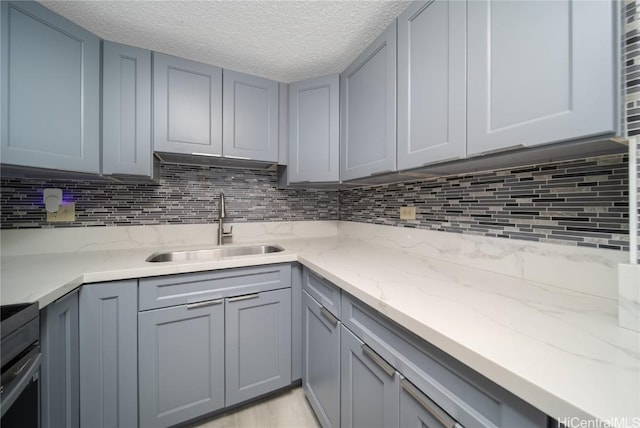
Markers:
point(288, 409)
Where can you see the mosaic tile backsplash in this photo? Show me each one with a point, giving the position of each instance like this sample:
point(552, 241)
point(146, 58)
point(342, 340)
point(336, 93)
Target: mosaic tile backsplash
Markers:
point(185, 194)
point(582, 202)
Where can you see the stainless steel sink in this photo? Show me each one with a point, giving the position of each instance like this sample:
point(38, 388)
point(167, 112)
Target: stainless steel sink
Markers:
point(213, 253)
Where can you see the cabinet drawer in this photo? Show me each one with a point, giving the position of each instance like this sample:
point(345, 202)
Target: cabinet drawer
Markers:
point(180, 289)
point(463, 393)
point(327, 294)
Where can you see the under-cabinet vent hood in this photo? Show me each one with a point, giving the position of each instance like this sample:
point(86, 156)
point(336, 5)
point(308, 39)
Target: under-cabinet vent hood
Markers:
point(217, 161)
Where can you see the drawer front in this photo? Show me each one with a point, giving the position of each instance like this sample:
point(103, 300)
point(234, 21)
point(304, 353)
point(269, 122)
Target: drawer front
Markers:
point(466, 395)
point(327, 294)
point(172, 290)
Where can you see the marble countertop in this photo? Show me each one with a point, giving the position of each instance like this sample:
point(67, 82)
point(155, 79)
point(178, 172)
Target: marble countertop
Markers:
point(558, 349)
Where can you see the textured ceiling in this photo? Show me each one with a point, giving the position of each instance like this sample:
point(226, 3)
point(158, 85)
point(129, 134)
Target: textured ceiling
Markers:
point(280, 40)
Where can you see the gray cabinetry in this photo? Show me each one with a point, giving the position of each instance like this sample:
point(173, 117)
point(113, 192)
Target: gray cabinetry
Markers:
point(368, 109)
point(126, 110)
point(321, 360)
point(326, 293)
point(250, 117)
point(417, 410)
point(181, 360)
point(530, 84)
point(469, 397)
point(60, 372)
point(314, 130)
point(50, 90)
point(258, 344)
point(431, 83)
point(296, 322)
point(187, 106)
point(108, 357)
point(370, 386)
point(212, 339)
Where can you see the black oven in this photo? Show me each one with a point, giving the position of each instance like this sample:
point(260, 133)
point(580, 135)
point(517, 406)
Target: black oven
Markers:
point(20, 359)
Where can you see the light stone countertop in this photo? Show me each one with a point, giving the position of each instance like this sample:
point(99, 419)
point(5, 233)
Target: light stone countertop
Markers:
point(558, 349)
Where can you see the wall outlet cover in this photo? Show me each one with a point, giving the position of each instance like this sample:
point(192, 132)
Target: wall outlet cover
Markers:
point(407, 213)
point(66, 212)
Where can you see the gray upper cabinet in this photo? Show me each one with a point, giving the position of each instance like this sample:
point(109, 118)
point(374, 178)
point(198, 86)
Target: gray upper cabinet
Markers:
point(50, 90)
point(431, 83)
point(60, 372)
point(126, 110)
point(314, 130)
point(530, 83)
point(181, 360)
point(368, 109)
point(108, 354)
point(250, 117)
point(187, 106)
point(258, 344)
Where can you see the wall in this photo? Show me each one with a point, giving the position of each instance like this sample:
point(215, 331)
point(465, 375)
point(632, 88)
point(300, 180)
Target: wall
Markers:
point(185, 194)
point(582, 202)
point(632, 80)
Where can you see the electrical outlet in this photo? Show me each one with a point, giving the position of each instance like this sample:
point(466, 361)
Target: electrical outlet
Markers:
point(407, 213)
point(66, 212)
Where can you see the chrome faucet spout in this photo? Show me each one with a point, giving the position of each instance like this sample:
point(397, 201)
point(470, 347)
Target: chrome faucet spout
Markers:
point(222, 214)
point(222, 209)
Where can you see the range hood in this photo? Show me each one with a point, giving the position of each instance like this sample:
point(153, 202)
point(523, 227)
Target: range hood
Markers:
point(217, 161)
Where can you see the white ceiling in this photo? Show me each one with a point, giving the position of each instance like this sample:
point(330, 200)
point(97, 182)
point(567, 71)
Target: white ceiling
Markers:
point(280, 40)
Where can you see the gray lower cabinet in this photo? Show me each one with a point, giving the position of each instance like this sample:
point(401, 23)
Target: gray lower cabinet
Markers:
point(181, 362)
point(370, 386)
point(258, 344)
point(60, 372)
point(321, 360)
point(108, 358)
point(126, 110)
point(296, 322)
point(50, 92)
point(418, 410)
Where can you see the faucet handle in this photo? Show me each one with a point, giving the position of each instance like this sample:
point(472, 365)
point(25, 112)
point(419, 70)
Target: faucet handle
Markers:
point(229, 233)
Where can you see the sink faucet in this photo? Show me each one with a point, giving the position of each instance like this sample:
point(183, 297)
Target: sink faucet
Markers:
point(222, 214)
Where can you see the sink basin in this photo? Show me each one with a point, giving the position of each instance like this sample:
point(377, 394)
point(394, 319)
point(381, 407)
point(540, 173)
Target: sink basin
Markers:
point(213, 253)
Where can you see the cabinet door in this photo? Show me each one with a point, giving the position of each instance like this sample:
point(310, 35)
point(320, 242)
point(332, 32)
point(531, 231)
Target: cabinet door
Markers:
point(108, 354)
point(368, 97)
point(432, 79)
point(418, 411)
point(296, 321)
point(187, 106)
point(60, 372)
point(50, 90)
point(258, 344)
point(370, 386)
point(321, 361)
point(126, 110)
point(250, 114)
point(181, 363)
point(314, 130)
point(539, 72)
